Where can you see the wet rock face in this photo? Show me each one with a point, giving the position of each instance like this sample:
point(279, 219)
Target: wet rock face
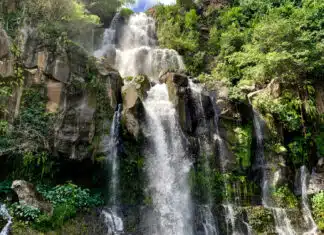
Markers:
point(29, 196)
point(64, 77)
point(6, 62)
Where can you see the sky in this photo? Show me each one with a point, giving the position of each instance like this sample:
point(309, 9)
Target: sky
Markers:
point(142, 5)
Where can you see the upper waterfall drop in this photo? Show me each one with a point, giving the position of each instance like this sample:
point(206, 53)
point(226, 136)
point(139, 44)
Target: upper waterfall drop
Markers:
point(136, 50)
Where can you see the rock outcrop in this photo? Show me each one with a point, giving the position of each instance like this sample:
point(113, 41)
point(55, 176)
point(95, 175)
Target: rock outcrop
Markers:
point(6, 60)
point(134, 94)
point(29, 196)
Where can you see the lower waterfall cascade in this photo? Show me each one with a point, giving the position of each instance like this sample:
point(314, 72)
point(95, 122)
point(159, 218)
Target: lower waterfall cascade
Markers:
point(167, 167)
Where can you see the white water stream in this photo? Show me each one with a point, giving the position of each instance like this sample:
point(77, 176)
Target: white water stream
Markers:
point(5, 214)
point(167, 166)
point(208, 220)
point(136, 51)
point(282, 222)
point(112, 220)
point(307, 214)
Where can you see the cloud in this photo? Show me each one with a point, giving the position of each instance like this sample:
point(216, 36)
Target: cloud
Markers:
point(142, 5)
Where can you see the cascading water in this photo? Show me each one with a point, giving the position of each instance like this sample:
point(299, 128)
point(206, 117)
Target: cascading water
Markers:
point(206, 216)
point(307, 214)
point(5, 214)
point(228, 206)
point(167, 166)
point(136, 51)
point(282, 222)
point(113, 221)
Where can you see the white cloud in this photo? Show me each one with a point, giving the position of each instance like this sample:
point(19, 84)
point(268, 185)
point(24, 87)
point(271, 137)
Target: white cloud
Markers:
point(145, 4)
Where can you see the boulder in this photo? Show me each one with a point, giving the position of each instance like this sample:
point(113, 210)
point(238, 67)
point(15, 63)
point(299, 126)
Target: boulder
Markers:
point(134, 94)
point(29, 196)
point(316, 183)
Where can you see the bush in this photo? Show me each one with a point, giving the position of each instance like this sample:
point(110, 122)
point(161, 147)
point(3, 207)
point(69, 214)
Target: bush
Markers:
point(71, 194)
point(61, 214)
point(284, 197)
point(318, 209)
point(24, 212)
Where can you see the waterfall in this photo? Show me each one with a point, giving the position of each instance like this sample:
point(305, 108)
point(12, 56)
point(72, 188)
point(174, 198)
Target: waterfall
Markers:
point(112, 220)
point(5, 214)
point(136, 51)
point(307, 214)
point(167, 166)
point(208, 221)
point(230, 218)
point(282, 223)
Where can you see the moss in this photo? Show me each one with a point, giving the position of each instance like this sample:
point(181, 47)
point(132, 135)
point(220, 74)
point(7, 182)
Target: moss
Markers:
point(126, 12)
point(240, 139)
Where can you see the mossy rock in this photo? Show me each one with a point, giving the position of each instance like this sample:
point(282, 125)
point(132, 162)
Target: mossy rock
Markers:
point(261, 219)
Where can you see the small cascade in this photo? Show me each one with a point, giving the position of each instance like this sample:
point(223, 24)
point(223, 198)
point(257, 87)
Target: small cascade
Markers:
point(5, 214)
point(113, 221)
point(307, 214)
point(208, 220)
point(136, 51)
point(230, 218)
point(282, 222)
point(167, 167)
point(206, 216)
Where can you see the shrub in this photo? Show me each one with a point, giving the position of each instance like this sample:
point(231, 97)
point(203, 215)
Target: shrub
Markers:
point(61, 214)
point(284, 197)
point(71, 194)
point(24, 212)
point(318, 209)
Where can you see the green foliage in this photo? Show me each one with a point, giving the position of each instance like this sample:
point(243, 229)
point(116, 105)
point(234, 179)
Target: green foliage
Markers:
point(126, 12)
point(242, 147)
point(73, 195)
point(61, 214)
point(298, 150)
point(185, 3)
point(38, 165)
point(286, 108)
point(67, 201)
point(57, 20)
point(260, 218)
point(284, 197)
point(179, 30)
point(24, 212)
point(106, 9)
point(319, 140)
point(318, 209)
